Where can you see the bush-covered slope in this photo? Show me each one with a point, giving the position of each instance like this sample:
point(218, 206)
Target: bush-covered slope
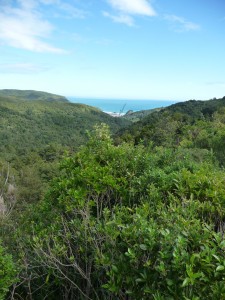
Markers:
point(30, 125)
point(144, 221)
point(191, 124)
point(126, 222)
point(138, 115)
point(31, 95)
point(34, 135)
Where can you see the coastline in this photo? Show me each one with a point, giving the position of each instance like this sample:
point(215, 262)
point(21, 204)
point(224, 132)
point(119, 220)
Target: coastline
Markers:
point(116, 107)
point(114, 114)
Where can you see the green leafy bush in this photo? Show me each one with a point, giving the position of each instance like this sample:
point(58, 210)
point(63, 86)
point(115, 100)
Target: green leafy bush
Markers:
point(7, 272)
point(128, 222)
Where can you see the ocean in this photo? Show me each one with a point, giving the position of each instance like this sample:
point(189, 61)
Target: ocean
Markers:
point(122, 106)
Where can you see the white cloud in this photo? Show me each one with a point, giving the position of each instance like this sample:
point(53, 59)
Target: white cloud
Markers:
point(23, 26)
point(27, 4)
point(180, 24)
point(67, 9)
point(49, 2)
point(126, 9)
point(133, 7)
point(71, 11)
point(125, 19)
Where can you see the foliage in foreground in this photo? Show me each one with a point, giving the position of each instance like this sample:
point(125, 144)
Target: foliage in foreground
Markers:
point(127, 222)
point(7, 272)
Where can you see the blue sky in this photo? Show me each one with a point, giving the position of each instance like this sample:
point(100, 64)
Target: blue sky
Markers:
point(133, 49)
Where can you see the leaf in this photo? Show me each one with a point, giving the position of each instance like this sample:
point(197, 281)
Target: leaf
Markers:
point(129, 292)
point(185, 282)
point(220, 268)
point(169, 282)
point(140, 280)
point(115, 269)
point(130, 253)
point(143, 247)
point(105, 286)
point(47, 278)
point(216, 257)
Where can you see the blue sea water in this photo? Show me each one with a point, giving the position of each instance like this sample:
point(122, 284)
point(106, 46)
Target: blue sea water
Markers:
point(122, 106)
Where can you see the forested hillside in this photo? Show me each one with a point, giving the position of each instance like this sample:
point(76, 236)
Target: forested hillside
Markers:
point(31, 125)
point(191, 124)
point(139, 115)
point(31, 95)
point(135, 215)
point(36, 128)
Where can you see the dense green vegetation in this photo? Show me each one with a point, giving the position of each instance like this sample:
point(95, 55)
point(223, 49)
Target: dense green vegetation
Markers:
point(31, 95)
point(30, 125)
point(34, 135)
point(7, 272)
point(138, 115)
point(192, 124)
point(141, 216)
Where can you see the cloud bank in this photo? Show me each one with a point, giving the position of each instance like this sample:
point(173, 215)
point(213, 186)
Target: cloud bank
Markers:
point(23, 26)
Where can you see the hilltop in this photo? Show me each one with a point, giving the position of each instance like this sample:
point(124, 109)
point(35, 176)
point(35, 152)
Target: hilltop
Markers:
point(31, 95)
